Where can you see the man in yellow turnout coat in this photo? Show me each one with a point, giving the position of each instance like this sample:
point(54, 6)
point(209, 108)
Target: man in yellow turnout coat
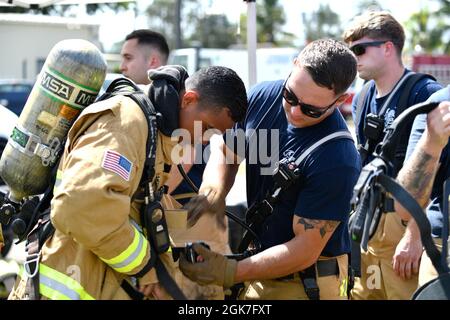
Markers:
point(98, 242)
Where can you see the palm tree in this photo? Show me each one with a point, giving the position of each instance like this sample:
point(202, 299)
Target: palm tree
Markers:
point(426, 31)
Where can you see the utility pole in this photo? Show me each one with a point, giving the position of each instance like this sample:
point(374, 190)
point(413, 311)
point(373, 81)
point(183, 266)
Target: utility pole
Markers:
point(178, 40)
point(251, 41)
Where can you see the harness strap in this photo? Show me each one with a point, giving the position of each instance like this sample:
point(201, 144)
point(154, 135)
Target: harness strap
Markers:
point(169, 284)
point(259, 212)
point(31, 268)
point(131, 291)
point(31, 264)
point(410, 204)
point(309, 281)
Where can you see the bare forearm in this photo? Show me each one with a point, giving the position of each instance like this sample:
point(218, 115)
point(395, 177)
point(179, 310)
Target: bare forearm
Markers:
point(277, 261)
point(220, 172)
point(417, 175)
point(295, 255)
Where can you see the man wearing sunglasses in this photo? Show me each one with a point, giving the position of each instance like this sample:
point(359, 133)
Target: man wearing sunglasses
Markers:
point(307, 228)
point(377, 39)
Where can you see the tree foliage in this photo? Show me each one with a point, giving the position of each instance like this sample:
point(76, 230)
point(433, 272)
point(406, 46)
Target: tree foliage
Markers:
point(63, 10)
point(162, 18)
point(323, 23)
point(429, 31)
point(214, 31)
point(368, 5)
point(270, 19)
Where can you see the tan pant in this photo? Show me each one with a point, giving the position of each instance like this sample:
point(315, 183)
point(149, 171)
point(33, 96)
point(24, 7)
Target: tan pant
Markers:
point(427, 272)
point(331, 287)
point(378, 280)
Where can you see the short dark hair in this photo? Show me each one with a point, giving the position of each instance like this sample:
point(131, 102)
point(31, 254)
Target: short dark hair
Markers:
point(220, 87)
point(330, 63)
point(152, 38)
point(380, 25)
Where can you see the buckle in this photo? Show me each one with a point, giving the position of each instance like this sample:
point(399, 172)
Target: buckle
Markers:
point(311, 288)
point(268, 206)
point(32, 258)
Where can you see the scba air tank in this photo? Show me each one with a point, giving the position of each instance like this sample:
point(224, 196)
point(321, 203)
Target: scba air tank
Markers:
point(69, 81)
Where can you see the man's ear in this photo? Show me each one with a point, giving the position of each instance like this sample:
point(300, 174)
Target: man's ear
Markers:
point(189, 97)
point(342, 99)
point(390, 49)
point(154, 62)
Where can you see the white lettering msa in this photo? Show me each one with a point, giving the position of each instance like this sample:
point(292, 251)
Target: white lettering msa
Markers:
point(56, 86)
point(85, 98)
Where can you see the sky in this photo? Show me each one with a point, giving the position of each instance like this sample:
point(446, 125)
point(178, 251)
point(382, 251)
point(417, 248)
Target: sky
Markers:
point(111, 31)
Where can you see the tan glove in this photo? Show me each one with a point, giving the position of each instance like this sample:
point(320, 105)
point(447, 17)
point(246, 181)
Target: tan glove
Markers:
point(214, 268)
point(209, 202)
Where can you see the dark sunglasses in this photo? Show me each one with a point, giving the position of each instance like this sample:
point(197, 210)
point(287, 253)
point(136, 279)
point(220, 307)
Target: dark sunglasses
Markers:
point(360, 48)
point(307, 109)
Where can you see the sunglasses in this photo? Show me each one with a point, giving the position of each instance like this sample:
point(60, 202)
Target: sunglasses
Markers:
point(307, 109)
point(360, 48)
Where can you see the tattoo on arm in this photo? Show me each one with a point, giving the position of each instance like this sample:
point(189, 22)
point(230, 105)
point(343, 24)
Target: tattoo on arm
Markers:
point(324, 226)
point(418, 176)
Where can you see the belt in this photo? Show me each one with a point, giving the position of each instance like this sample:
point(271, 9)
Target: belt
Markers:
point(324, 268)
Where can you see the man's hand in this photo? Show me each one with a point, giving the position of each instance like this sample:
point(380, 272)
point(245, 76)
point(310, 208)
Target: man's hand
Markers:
point(211, 268)
point(438, 128)
point(208, 201)
point(155, 291)
point(407, 255)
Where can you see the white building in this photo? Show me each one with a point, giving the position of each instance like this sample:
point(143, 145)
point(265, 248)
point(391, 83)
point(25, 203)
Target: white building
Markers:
point(271, 63)
point(26, 40)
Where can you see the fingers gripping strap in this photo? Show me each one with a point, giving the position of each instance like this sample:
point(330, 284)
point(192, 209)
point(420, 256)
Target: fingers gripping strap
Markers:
point(410, 204)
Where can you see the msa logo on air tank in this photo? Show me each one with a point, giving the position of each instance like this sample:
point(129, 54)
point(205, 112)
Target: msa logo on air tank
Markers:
point(85, 98)
point(71, 93)
point(56, 86)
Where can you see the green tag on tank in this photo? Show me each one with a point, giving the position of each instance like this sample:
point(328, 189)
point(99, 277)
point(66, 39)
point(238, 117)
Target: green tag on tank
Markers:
point(19, 137)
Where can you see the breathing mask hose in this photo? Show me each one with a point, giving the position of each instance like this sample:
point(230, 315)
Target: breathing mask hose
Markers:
point(227, 213)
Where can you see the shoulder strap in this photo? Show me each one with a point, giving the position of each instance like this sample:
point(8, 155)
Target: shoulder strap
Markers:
point(403, 102)
point(361, 100)
point(334, 136)
point(445, 224)
point(260, 211)
point(404, 79)
point(126, 87)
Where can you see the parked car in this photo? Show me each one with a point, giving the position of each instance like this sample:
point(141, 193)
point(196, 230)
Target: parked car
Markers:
point(7, 122)
point(346, 107)
point(14, 94)
point(110, 77)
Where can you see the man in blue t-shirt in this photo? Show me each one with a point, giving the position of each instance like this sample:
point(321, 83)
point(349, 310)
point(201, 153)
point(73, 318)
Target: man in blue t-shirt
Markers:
point(377, 39)
point(308, 224)
point(425, 171)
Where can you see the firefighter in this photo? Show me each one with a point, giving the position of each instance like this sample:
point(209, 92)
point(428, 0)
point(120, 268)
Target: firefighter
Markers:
point(304, 239)
point(98, 249)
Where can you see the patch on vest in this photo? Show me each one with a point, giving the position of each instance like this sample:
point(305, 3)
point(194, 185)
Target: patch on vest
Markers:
point(117, 163)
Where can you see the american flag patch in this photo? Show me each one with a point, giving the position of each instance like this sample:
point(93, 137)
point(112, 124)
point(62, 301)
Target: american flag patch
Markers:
point(118, 164)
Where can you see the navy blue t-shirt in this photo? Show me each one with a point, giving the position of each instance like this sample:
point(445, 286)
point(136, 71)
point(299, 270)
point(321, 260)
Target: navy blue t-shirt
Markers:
point(329, 173)
point(434, 209)
point(419, 93)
